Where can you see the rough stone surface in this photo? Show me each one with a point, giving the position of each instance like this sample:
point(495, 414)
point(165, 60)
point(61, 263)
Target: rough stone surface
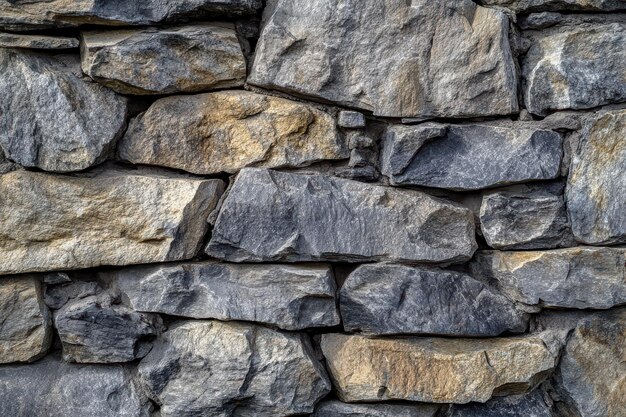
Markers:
point(290, 297)
point(25, 331)
point(164, 61)
point(351, 119)
point(577, 67)
point(540, 20)
point(529, 405)
point(591, 373)
point(93, 330)
point(19, 40)
point(339, 409)
point(226, 131)
point(53, 119)
point(52, 387)
point(468, 157)
point(524, 6)
point(52, 222)
point(355, 54)
point(37, 14)
point(568, 278)
point(396, 299)
point(525, 220)
point(216, 368)
point(271, 216)
point(596, 184)
point(435, 370)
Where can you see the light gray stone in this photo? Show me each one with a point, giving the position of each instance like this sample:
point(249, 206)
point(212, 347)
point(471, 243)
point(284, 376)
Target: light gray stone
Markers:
point(529, 405)
point(339, 409)
point(211, 368)
point(53, 222)
point(164, 61)
point(396, 299)
point(580, 277)
point(575, 67)
point(351, 119)
point(468, 157)
point(54, 388)
point(525, 6)
point(279, 216)
point(25, 328)
point(290, 297)
point(356, 54)
point(20, 40)
point(229, 130)
point(53, 119)
point(596, 183)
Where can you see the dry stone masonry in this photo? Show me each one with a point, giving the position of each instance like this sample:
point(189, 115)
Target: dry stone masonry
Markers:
point(332, 208)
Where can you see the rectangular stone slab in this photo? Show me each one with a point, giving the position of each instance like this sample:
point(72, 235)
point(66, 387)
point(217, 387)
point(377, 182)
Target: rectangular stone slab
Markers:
point(51, 222)
point(280, 216)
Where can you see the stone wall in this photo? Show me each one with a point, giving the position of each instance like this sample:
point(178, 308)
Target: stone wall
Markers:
point(372, 208)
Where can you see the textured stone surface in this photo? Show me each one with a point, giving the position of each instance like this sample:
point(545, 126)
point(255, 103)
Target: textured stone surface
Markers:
point(435, 370)
point(36, 14)
point(165, 61)
point(216, 368)
point(576, 67)
point(25, 331)
point(596, 184)
point(522, 6)
point(52, 222)
point(396, 299)
point(52, 387)
point(351, 119)
point(529, 405)
point(355, 54)
point(569, 278)
point(468, 157)
point(53, 119)
point(290, 297)
point(592, 372)
point(271, 216)
point(339, 409)
point(226, 131)
point(20, 40)
point(93, 330)
point(525, 220)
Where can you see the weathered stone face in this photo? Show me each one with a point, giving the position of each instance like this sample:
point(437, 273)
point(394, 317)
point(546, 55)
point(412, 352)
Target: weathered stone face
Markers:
point(39, 14)
point(25, 331)
point(591, 374)
point(53, 387)
point(355, 54)
point(529, 405)
point(215, 368)
point(468, 157)
point(53, 222)
point(53, 119)
point(227, 131)
point(396, 299)
point(290, 297)
point(339, 409)
point(596, 184)
point(565, 278)
point(576, 67)
point(435, 370)
point(19, 40)
point(278, 216)
point(524, 6)
point(165, 61)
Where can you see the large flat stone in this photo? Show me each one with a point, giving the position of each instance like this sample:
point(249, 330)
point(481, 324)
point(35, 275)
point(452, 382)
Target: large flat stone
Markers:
point(279, 216)
point(525, 6)
point(575, 67)
point(20, 40)
point(212, 368)
point(459, 62)
point(435, 370)
point(52, 118)
point(566, 278)
point(596, 183)
point(339, 409)
point(529, 405)
point(290, 297)
point(52, 387)
point(468, 157)
point(52, 222)
point(165, 61)
point(25, 328)
point(227, 131)
point(396, 299)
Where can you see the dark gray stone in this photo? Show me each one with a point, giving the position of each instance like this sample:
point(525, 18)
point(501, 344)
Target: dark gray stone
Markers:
point(529, 405)
point(525, 6)
point(351, 119)
point(279, 216)
point(468, 157)
point(339, 409)
point(396, 299)
point(540, 20)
